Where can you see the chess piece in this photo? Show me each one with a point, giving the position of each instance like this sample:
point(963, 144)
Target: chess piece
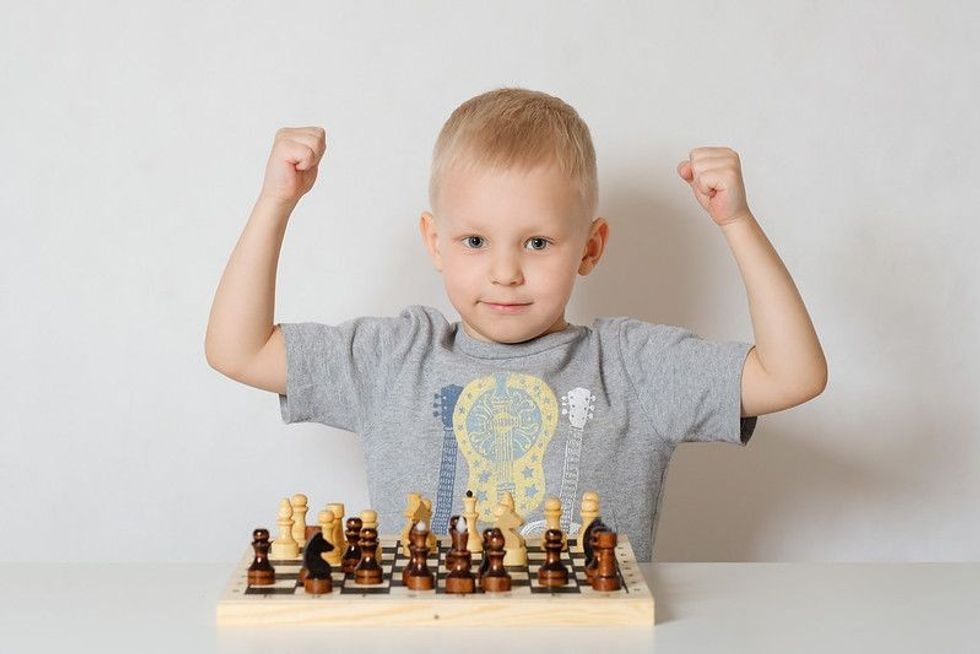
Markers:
point(485, 563)
point(417, 575)
point(261, 572)
point(285, 547)
point(589, 545)
point(552, 572)
point(368, 571)
point(508, 522)
point(425, 515)
point(352, 556)
point(474, 543)
point(589, 511)
point(552, 519)
point(460, 579)
point(606, 577)
point(298, 503)
point(496, 579)
point(507, 499)
point(338, 526)
point(318, 579)
point(327, 519)
point(454, 544)
point(412, 515)
point(369, 520)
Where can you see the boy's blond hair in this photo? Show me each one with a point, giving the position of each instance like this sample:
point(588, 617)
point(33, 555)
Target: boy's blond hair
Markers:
point(512, 126)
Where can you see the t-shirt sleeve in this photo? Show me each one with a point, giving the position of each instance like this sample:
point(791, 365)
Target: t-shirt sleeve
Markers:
point(689, 387)
point(336, 374)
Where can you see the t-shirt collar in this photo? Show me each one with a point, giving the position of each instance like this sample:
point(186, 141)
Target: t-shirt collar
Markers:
point(484, 350)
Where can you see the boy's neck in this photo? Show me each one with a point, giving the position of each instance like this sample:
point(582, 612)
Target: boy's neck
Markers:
point(559, 325)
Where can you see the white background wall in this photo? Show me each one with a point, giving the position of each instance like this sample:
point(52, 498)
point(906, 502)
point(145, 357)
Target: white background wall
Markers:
point(134, 138)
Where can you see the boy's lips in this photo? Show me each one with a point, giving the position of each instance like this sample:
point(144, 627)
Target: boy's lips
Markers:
point(506, 307)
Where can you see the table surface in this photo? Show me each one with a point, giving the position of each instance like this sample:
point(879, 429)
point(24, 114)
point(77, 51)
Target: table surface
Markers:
point(735, 607)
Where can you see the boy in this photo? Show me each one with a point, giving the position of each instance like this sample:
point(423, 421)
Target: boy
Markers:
point(512, 398)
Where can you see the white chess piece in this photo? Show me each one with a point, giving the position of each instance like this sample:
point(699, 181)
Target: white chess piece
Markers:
point(284, 547)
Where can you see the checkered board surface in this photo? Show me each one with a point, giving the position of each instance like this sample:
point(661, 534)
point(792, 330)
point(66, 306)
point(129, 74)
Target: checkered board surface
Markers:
point(242, 599)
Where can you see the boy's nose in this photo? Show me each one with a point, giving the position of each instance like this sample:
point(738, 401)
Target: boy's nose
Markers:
point(506, 270)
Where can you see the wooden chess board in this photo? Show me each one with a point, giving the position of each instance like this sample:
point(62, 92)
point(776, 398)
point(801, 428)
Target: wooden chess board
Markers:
point(392, 604)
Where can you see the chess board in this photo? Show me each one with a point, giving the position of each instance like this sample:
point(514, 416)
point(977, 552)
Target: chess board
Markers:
point(392, 604)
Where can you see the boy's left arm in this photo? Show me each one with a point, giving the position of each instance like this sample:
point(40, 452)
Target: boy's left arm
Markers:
point(786, 367)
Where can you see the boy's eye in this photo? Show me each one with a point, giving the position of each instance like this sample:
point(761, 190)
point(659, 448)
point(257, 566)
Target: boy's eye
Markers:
point(537, 243)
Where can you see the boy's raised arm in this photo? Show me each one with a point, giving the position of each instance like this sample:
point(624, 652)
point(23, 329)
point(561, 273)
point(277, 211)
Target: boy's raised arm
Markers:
point(241, 341)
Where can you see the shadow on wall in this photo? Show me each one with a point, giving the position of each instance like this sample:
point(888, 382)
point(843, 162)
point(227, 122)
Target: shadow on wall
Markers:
point(727, 503)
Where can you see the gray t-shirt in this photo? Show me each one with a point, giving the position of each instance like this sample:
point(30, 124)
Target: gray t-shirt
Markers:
point(440, 412)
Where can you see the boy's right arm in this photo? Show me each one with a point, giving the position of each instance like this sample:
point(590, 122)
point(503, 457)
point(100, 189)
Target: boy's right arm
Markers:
point(241, 341)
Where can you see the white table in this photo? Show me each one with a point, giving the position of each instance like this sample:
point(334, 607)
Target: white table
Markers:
point(730, 607)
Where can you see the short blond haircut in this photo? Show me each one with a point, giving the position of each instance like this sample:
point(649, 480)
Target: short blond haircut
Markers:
point(516, 127)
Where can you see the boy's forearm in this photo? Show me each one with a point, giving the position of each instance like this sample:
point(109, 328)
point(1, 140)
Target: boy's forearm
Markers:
point(785, 339)
point(241, 319)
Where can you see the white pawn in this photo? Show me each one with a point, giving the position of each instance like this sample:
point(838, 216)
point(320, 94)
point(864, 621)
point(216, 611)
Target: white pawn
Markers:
point(299, 506)
point(589, 512)
point(552, 519)
point(326, 519)
point(284, 547)
point(338, 525)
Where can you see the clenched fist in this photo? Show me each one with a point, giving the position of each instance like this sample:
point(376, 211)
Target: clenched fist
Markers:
point(715, 176)
point(293, 163)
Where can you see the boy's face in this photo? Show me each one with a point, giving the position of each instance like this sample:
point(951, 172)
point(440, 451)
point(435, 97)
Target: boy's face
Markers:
point(511, 238)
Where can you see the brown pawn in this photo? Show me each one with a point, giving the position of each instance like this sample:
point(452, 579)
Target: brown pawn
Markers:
point(352, 555)
point(606, 577)
point(496, 579)
point(453, 542)
point(485, 562)
point(261, 572)
point(552, 572)
point(416, 574)
point(368, 571)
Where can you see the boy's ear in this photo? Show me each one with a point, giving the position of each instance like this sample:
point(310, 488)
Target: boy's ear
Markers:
point(595, 245)
point(430, 237)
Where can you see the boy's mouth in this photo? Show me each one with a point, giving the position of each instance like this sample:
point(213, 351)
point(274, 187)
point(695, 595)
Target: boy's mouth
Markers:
point(506, 307)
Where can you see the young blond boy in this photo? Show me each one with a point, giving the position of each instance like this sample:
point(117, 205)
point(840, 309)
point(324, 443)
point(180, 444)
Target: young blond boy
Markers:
point(513, 398)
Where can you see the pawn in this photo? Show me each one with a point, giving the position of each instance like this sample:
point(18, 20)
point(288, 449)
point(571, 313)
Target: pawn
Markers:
point(454, 545)
point(496, 579)
point(261, 572)
point(285, 547)
point(416, 574)
point(352, 555)
point(485, 563)
point(368, 571)
point(460, 579)
point(318, 578)
point(552, 572)
point(606, 577)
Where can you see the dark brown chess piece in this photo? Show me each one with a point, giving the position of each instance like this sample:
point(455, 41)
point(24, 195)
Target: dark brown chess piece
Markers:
point(417, 575)
point(588, 546)
point(318, 579)
point(368, 571)
point(485, 562)
point(606, 577)
point(496, 579)
point(352, 555)
point(261, 572)
point(453, 542)
point(552, 572)
point(460, 579)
